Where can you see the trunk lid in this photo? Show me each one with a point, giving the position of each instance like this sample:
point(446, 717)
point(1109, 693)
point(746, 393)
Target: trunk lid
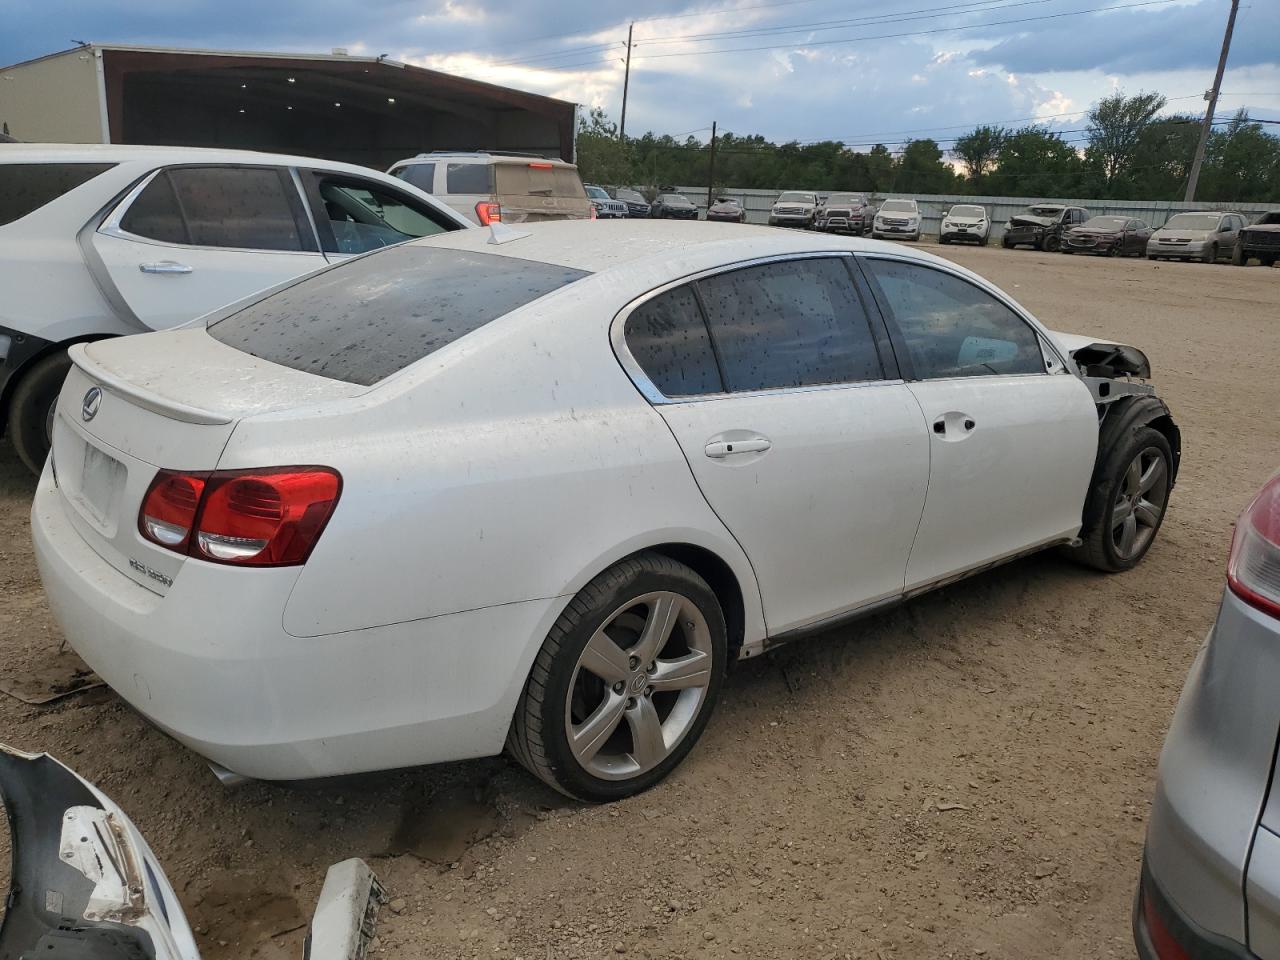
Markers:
point(134, 405)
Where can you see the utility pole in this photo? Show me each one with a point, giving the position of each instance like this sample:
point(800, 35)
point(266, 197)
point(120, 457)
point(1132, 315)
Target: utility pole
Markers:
point(711, 174)
point(1212, 97)
point(626, 82)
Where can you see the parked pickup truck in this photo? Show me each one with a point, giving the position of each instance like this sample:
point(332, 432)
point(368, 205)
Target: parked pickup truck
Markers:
point(845, 213)
point(1260, 240)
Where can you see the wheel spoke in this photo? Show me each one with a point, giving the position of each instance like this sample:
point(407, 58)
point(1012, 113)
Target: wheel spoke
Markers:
point(588, 737)
point(605, 659)
point(648, 746)
point(1128, 535)
point(657, 628)
point(691, 670)
point(1153, 476)
point(1148, 513)
point(1121, 512)
point(1133, 477)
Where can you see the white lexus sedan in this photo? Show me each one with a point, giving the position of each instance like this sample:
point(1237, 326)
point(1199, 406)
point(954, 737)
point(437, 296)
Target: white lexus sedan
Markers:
point(529, 489)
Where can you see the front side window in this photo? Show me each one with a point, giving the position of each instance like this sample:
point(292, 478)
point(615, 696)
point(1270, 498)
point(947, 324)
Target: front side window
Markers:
point(668, 339)
point(365, 319)
point(952, 328)
point(248, 208)
point(421, 175)
point(789, 324)
point(29, 186)
point(356, 216)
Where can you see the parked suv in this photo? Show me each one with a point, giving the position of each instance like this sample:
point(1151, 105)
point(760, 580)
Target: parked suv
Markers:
point(845, 213)
point(1041, 225)
point(1206, 236)
point(514, 188)
point(794, 209)
point(1261, 239)
point(100, 241)
point(965, 221)
point(606, 207)
point(897, 218)
point(637, 205)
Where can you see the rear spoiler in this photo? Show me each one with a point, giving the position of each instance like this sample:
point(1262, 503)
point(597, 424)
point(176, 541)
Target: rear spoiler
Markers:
point(174, 409)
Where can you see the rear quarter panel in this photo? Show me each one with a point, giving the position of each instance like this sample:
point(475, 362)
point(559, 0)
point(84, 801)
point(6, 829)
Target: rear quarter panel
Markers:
point(513, 465)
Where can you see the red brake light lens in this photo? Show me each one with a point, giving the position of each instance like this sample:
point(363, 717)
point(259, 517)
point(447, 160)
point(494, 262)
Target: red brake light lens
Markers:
point(252, 518)
point(1162, 941)
point(1253, 571)
point(541, 166)
point(168, 511)
point(488, 212)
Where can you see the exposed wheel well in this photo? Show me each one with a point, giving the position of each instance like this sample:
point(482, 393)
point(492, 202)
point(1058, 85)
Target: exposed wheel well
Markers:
point(722, 581)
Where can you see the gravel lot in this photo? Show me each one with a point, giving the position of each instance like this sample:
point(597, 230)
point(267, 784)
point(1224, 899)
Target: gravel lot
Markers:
point(968, 775)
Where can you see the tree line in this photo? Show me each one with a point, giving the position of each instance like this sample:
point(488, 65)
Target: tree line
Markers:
point(1125, 150)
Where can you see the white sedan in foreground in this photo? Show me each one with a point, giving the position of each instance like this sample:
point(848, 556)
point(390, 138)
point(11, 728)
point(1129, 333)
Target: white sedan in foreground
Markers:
point(534, 490)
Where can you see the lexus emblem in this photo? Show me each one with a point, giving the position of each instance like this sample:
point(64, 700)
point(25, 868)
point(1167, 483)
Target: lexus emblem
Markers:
point(92, 401)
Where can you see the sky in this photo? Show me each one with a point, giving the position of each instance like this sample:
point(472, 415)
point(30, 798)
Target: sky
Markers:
point(860, 71)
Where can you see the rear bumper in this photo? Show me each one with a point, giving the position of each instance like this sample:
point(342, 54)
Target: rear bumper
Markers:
point(211, 664)
point(1156, 920)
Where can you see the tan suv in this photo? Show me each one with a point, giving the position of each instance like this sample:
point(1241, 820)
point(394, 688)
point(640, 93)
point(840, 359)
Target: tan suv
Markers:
point(513, 188)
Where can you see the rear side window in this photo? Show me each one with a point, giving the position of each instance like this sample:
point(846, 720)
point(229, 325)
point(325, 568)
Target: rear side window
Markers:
point(29, 186)
point(789, 324)
point(668, 338)
point(250, 208)
point(469, 178)
point(421, 175)
point(539, 179)
point(368, 318)
point(952, 328)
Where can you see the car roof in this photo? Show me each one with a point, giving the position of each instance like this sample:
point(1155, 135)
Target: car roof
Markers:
point(481, 157)
point(124, 153)
point(596, 247)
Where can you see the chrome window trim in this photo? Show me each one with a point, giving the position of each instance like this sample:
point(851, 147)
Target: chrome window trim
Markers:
point(650, 391)
point(111, 225)
point(996, 293)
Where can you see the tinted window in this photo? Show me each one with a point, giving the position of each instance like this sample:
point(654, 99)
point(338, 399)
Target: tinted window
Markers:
point(421, 175)
point(668, 338)
point(29, 186)
point(366, 319)
point(469, 178)
point(243, 207)
point(789, 324)
point(362, 216)
point(951, 327)
point(155, 213)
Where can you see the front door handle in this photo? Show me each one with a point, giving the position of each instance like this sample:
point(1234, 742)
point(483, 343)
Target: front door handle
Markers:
point(164, 266)
point(954, 425)
point(719, 449)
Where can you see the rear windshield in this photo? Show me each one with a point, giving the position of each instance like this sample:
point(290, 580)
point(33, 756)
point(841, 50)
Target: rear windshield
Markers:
point(366, 319)
point(29, 186)
point(525, 180)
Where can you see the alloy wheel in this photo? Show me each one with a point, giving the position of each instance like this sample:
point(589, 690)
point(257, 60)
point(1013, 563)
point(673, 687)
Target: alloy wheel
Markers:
point(639, 685)
point(1139, 504)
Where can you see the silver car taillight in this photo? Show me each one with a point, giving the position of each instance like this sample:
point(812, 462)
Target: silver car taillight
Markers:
point(1253, 570)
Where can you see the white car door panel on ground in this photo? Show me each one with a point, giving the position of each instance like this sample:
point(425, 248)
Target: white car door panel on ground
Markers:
point(194, 238)
point(1012, 446)
point(814, 462)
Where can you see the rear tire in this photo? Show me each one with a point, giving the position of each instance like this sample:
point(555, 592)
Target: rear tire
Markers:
point(594, 720)
point(31, 409)
point(1127, 502)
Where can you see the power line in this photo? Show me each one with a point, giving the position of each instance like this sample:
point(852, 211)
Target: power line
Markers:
point(916, 33)
point(928, 13)
point(560, 53)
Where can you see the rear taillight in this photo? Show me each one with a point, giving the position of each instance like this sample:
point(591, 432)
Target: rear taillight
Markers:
point(1162, 940)
point(1253, 571)
point(250, 518)
point(594, 215)
point(488, 212)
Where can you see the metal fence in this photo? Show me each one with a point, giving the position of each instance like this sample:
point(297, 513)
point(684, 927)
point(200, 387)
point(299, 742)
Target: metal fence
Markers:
point(1000, 209)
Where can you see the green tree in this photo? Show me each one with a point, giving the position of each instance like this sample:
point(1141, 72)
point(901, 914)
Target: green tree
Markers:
point(1036, 163)
point(602, 157)
point(979, 150)
point(1242, 163)
point(1116, 125)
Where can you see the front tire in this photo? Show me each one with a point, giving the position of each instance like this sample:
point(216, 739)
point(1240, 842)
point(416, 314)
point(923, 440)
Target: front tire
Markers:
point(624, 683)
point(31, 410)
point(1127, 502)
point(1238, 256)
point(1210, 255)
point(1052, 244)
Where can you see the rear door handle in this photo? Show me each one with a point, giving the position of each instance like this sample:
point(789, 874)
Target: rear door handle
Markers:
point(164, 266)
point(719, 449)
point(959, 424)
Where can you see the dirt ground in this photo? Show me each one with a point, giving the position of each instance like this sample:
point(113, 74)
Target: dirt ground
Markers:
point(967, 776)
